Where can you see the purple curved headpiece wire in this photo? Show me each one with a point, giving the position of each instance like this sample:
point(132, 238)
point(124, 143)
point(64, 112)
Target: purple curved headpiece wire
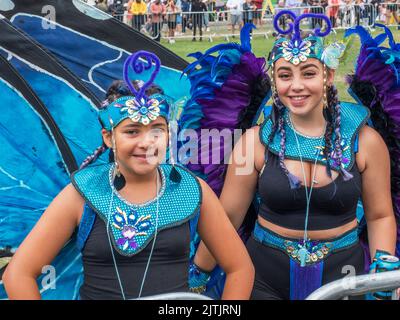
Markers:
point(140, 61)
point(276, 21)
point(295, 26)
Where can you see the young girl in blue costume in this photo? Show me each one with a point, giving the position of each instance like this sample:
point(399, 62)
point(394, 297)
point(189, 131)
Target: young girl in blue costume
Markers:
point(134, 214)
point(313, 158)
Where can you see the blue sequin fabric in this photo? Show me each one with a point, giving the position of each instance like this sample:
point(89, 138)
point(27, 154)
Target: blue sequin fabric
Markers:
point(143, 111)
point(317, 250)
point(297, 51)
point(353, 117)
point(133, 226)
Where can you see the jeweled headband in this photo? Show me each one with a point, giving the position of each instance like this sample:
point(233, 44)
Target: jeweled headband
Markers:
point(138, 107)
point(296, 49)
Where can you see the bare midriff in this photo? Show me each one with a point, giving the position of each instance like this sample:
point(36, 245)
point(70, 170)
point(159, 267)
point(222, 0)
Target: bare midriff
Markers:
point(312, 234)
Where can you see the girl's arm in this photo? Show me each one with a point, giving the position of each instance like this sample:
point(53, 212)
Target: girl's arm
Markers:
point(42, 244)
point(239, 188)
point(376, 193)
point(225, 245)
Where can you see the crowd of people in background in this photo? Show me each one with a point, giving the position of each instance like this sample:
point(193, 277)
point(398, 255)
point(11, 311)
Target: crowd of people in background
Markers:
point(149, 16)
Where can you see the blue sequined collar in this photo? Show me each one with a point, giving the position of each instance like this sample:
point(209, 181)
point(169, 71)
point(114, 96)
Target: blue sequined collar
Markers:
point(132, 226)
point(353, 117)
point(135, 205)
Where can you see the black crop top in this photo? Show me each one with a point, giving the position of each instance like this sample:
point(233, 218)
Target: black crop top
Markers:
point(168, 269)
point(287, 208)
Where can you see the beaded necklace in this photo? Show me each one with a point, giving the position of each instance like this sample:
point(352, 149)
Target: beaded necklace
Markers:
point(303, 251)
point(155, 233)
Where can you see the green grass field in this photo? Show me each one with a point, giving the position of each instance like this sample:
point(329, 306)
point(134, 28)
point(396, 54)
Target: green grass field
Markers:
point(261, 47)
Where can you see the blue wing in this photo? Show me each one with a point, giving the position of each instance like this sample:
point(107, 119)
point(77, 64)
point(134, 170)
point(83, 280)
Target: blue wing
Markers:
point(70, 104)
point(34, 166)
point(93, 45)
point(67, 79)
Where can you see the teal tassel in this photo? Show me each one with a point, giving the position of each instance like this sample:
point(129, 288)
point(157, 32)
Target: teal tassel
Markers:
point(303, 252)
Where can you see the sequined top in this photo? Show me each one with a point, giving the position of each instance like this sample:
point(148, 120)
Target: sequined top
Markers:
point(168, 269)
point(353, 118)
point(133, 226)
point(332, 205)
point(132, 229)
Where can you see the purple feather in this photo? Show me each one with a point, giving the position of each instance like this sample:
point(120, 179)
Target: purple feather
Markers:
point(222, 111)
point(373, 69)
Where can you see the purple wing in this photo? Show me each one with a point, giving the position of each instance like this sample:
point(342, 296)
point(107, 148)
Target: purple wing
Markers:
point(376, 84)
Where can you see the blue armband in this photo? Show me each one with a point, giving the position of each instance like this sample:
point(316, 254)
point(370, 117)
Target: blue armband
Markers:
point(197, 279)
point(378, 254)
point(382, 262)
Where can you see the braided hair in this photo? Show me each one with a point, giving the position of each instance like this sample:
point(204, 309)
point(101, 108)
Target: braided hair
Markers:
point(332, 100)
point(293, 180)
point(338, 137)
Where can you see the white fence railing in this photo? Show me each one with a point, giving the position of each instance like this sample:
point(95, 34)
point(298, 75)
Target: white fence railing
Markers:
point(359, 285)
point(339, 289)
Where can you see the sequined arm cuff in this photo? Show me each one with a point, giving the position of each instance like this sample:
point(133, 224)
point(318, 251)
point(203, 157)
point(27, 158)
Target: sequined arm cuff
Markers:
point(198, 279)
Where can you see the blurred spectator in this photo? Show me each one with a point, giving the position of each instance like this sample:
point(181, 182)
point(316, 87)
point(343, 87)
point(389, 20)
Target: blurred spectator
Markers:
point(178, 4)
point(185, 7)
point(117, 9)
point(235, 8)
point(138, 10)
point(347, 13)
point(220, 7)
point(359, 10)
point(382, 13)
point(332, 11)
point(375, 11)
point(157, 10)
point(102, 5)
point(172, 11)
point(211, 7)
point(257, 16)
point(198, 9)
point(294, 5)
point(391, 11)
point(317, 6)
point(206, 15)
point(282, 19)
point(248, 10)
